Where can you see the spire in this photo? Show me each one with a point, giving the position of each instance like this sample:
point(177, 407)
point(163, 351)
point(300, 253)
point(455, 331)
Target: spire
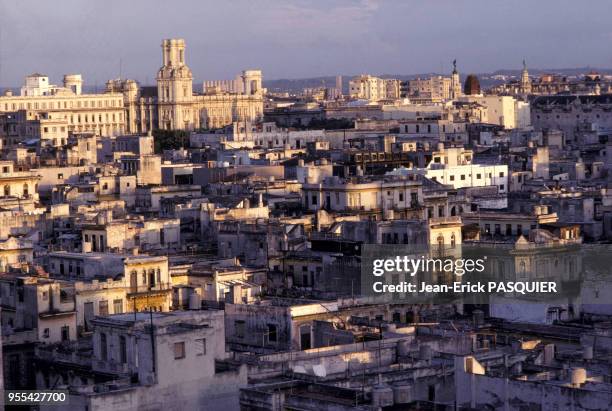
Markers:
point(455, 82)
point(525, 82)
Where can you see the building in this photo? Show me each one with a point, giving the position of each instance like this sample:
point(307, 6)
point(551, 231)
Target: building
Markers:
point(455, 167)
point(132, 362)
point(100, 114)
point(471, 86)
point(179, 108)
point(572, 114)
point(435, 88)
point(363, 193)
point(372, 88)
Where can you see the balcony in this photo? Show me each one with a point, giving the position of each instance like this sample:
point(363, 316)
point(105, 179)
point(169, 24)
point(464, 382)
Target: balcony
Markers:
point(145, 289)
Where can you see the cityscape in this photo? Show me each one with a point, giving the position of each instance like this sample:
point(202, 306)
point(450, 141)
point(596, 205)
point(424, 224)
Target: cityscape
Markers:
point(435, 240)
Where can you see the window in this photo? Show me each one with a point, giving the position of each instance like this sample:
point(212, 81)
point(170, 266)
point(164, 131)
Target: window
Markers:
point(501, 174)
point(179, 350)
point(452, 178)
point(118, 306)
point(239, 326)
point(478, 176)
point(200, 344)
point(103, 347)
point(65, 333)
point(122, 349)
point(46, 333)
point(462, 176)
point(103, 308)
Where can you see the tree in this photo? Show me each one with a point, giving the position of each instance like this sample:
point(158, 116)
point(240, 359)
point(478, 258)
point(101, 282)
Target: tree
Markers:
point(170, 139)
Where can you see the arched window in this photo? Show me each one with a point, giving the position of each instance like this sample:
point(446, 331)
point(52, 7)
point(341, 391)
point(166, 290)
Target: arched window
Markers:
point(7, 190)
point(453, 211)
point(440, 241)
point(133, 279)
point(26, 191)
point(152, 277)
point(453, 241)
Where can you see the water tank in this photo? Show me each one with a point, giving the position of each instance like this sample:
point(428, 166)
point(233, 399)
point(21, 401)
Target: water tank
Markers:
point(403, 393)
point(382, 396)
point(578, 376)
point(74, 82)
point(587, 352)
point(195, 303)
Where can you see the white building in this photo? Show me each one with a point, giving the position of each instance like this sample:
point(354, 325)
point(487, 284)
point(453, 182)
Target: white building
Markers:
point(505, 111)
point(453, 166)
point(374, 88)
point(364, 194)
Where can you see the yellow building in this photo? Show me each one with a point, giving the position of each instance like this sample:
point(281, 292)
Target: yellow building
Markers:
point(101, 114)
point(149, 283)
point(179, 108)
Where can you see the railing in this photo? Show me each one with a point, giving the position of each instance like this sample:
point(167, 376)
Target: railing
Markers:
point(142, 289)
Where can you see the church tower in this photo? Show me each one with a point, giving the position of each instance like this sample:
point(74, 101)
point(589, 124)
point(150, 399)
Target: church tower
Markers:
point(455, 82)
point(175, 88)
point(525, 82)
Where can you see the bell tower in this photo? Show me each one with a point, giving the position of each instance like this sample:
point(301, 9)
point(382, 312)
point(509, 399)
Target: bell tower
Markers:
point(174, 87)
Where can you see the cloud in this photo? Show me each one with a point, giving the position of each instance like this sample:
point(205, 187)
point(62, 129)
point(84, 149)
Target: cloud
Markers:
point(301, 22)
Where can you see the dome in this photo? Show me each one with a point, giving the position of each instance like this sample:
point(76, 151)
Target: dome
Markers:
point(471, 85)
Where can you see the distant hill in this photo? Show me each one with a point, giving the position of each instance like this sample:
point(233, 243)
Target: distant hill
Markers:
point(298, 84)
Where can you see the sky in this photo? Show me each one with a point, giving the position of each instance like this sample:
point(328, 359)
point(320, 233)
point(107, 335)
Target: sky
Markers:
point(102, 39)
